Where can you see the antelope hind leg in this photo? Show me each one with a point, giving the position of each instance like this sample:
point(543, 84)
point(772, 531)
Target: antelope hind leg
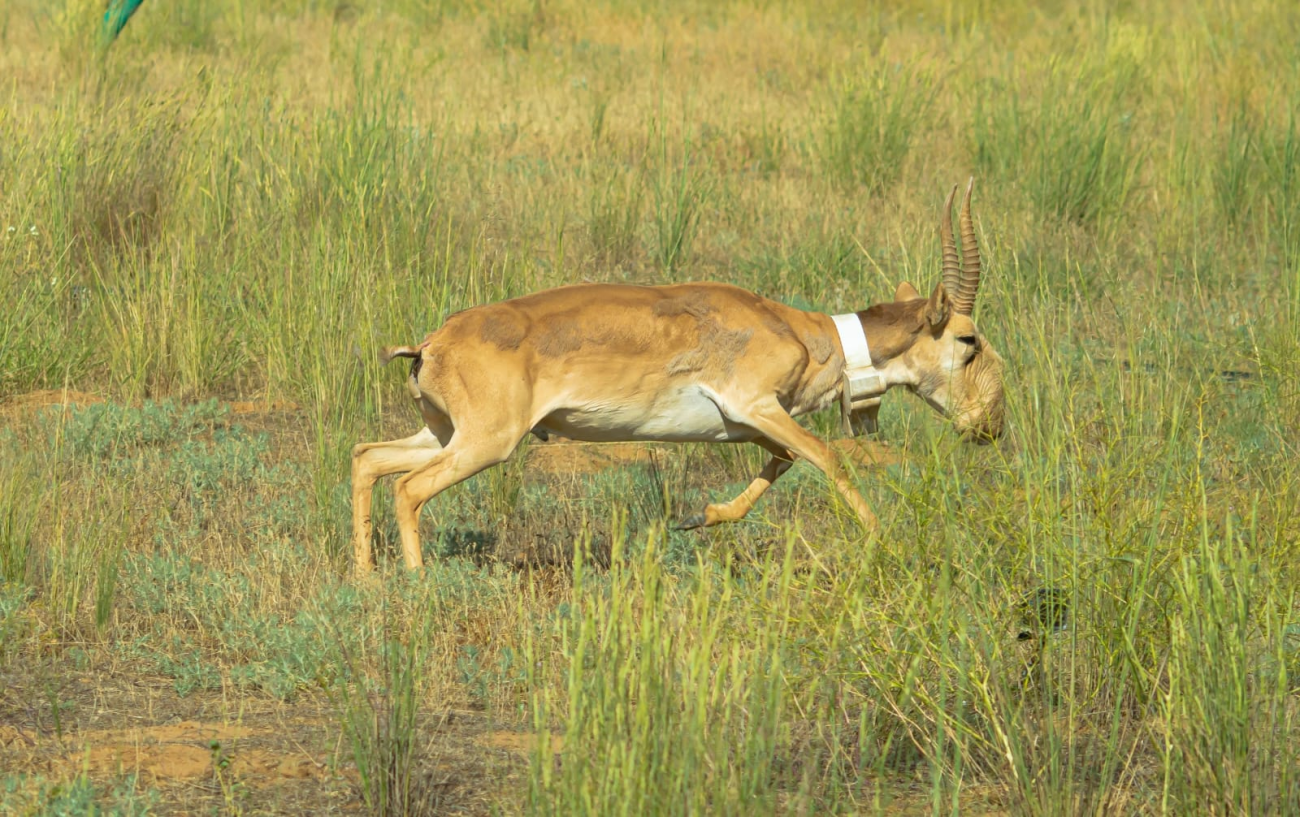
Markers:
point(370, 461)
point(468, 453)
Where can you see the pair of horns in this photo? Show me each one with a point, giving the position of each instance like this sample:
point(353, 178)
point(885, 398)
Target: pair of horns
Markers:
point(962, 282)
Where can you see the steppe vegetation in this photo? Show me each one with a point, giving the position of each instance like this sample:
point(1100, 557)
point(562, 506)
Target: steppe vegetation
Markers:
point(207, 232)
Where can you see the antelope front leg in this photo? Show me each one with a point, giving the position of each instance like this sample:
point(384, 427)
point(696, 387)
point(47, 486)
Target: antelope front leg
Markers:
point(370, 461)
point(774, 423)
point(736, 509)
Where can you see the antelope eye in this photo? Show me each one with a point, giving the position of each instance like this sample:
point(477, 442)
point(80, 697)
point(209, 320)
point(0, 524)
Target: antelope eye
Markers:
point(969, 340)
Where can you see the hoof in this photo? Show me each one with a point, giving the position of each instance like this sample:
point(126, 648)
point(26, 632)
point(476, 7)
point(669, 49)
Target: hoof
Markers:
point(691, 522)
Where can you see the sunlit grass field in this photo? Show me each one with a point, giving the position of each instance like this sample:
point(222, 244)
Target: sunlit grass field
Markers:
point(209, 229)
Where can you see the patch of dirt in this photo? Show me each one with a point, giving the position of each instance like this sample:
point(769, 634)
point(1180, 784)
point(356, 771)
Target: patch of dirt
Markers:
point(183, 751)
point(584, 458)
point(36, 400)
point(13, 736)
point(522, 743)
point(156, 764)
point(269, 766)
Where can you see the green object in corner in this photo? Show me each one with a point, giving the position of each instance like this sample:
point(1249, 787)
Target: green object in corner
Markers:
point(119, 11)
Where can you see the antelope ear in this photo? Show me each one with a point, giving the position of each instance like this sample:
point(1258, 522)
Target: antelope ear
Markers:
point(939, 307)
point(906, 292)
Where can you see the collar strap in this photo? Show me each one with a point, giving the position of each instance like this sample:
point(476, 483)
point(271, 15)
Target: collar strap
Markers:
point(862, 385)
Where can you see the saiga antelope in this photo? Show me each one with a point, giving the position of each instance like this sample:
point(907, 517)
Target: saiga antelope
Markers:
point(700, 362)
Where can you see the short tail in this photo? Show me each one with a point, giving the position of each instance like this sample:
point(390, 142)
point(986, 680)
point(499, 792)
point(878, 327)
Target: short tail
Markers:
point(389, 352)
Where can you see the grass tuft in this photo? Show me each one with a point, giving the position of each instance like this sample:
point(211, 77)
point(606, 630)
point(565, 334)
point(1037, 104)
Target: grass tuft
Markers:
point(385, 737)
point(1070, 147)
point(871, 123)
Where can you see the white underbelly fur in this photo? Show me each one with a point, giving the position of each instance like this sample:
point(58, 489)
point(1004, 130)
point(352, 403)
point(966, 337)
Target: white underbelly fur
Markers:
point(687, 415)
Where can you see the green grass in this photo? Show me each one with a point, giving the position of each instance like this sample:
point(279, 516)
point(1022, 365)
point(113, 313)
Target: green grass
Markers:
point(384, 734)
point(1071, 144)
point(125, 798)
point(240, 203)
point(870, 126)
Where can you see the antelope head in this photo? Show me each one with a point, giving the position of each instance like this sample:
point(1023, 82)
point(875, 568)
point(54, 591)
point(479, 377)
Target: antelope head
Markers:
point(948, 362)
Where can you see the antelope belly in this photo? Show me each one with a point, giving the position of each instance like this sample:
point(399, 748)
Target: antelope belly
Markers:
point(686, 415)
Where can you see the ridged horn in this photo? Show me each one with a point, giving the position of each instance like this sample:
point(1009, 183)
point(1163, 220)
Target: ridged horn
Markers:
point(951, 271)
point(964, 301)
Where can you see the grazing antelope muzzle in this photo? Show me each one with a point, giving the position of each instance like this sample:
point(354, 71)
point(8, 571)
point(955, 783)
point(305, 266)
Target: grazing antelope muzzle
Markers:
point(701, 362)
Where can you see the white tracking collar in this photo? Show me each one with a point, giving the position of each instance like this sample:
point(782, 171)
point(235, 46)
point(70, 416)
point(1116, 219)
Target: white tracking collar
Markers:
point(853, 339)
point(862, 385)
point(861, 377)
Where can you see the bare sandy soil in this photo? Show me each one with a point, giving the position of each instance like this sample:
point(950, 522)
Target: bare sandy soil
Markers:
point(210, 750)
